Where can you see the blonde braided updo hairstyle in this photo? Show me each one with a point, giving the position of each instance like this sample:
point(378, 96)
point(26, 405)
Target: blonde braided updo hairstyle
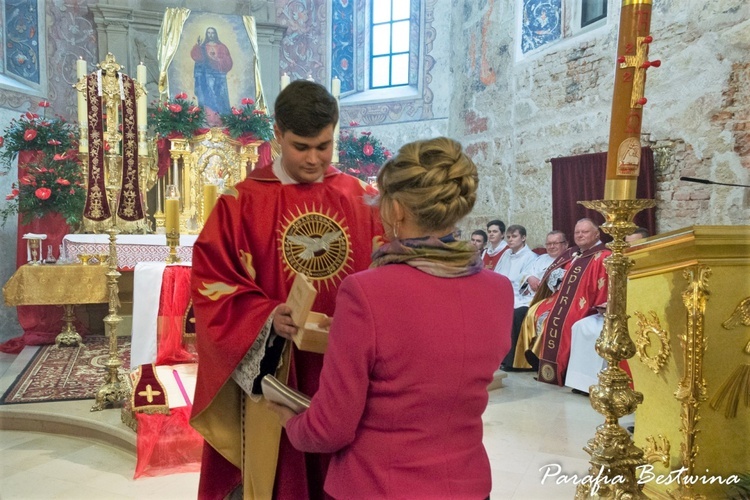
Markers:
point(433, 179)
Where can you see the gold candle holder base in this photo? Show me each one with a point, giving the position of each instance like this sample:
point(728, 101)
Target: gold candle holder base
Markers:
point(68, 337)
point(614, 456)
point(173, 240)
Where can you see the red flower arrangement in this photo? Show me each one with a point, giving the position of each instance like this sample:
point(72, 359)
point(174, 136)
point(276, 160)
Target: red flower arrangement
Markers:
point(36, 133)
point(248, 123)
point(361, 155)
point(178, 118)
point(53, 183)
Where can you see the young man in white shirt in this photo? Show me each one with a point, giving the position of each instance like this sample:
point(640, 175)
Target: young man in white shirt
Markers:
point(515, 264)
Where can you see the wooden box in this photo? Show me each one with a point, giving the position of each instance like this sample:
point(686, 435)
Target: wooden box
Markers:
point(309, 337)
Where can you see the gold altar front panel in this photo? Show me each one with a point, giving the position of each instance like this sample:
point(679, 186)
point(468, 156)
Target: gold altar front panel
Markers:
point(58, 284)
point(685, 299)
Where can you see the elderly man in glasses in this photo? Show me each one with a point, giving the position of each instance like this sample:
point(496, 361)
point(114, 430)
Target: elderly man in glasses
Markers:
point(556, 243)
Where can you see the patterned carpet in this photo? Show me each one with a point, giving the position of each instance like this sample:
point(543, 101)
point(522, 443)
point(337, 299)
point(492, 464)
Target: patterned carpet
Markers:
point(66, 373)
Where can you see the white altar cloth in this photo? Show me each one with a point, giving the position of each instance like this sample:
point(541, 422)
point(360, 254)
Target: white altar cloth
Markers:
point(131, 248)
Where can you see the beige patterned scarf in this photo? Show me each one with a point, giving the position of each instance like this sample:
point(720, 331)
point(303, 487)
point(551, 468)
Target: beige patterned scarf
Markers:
point(444, 257)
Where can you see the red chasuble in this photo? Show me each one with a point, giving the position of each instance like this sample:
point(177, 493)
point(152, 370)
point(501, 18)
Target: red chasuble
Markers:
point(583, 287)
point(259, 235)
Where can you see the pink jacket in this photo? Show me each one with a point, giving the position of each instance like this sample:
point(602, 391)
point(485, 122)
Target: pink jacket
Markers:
point(403, 385)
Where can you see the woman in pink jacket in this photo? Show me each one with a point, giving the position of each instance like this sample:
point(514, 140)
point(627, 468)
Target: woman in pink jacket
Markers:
point(413, 345)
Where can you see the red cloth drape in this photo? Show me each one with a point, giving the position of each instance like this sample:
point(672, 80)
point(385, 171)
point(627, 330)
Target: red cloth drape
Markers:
point(40, 324)
point(167, 444)
point(173, 304)
point(582, 177)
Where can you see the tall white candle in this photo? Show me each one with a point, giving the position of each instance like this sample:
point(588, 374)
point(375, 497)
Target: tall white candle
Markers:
point(285, 80)
point(336, 92)
point(83, 144)
point(142, 113)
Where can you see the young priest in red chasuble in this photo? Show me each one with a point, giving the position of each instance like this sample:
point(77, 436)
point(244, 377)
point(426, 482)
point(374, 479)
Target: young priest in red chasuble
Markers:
point(296, 215)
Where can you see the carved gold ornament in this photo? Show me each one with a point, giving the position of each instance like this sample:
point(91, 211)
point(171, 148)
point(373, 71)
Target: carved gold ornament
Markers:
point(643, 341)
point(691, 391)
point(737, 385)
point(740, 316)
point(657, 451)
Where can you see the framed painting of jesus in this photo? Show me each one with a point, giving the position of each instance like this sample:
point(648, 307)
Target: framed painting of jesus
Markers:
point(210, 57)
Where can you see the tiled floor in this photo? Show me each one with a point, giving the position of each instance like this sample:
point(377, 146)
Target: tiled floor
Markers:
point(528, 427)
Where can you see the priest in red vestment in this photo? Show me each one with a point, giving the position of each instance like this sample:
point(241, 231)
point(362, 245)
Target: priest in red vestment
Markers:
point(297, 215)
point(571, 289)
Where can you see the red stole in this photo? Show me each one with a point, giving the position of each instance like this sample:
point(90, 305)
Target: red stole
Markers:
point(553, 361)
point(97, 206)
point(129, 206)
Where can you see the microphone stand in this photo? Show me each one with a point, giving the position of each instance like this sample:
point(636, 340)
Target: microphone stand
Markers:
point(706, 181)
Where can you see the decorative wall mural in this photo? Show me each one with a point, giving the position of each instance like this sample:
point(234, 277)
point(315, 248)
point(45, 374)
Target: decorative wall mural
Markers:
point(541, 23)
point(304, 47)
point(22, 39)
point(342, 43)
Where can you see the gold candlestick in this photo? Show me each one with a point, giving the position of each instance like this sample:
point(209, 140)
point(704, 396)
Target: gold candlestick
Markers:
point(116, 387)
point(69, 336)
point(172, 222)
point(614, 456)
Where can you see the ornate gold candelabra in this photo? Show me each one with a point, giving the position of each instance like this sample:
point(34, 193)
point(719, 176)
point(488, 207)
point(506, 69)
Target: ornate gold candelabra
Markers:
point(614, 456)
point(116, 387)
